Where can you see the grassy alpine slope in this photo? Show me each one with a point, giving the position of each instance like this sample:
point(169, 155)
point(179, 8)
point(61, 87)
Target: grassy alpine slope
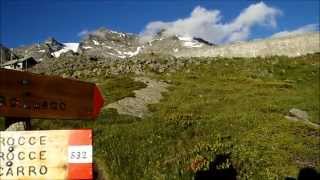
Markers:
point(230, 108)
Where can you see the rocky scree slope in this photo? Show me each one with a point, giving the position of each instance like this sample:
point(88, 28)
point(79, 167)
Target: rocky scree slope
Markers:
point(84, 67)
point(290, 46)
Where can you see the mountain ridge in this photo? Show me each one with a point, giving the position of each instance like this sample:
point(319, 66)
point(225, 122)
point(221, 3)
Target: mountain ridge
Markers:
point(104, 43)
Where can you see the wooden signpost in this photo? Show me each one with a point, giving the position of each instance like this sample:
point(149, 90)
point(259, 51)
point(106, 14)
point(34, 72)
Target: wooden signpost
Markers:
point(24, 94)
point(52, 154)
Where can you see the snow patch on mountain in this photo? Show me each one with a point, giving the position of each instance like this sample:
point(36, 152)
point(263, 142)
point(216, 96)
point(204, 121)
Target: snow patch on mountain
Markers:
point(192, 44)
point(87, 47)
point(119, 33)
point(127, 54)
point(109, 47)
point(189, 42)
point(67, 47)
point(185, 38)
point(130, 54)
point(155, 39)
point(95, 42)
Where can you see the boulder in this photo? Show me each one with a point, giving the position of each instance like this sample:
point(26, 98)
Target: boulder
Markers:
point(299, 114)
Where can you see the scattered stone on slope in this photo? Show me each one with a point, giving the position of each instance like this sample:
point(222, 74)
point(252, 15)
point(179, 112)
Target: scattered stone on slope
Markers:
point(299, 115)
point(17, 126)
point(137, 106)
point(303, 115)
point(68, 54)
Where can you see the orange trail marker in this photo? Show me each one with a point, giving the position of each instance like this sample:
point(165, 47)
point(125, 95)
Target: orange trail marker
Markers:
point(28, 95)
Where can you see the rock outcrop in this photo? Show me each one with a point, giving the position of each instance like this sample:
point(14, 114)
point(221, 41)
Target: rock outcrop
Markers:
point(300, 115)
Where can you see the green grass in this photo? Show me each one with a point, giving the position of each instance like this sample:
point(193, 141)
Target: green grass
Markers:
point(119, 87)
point(230, 106)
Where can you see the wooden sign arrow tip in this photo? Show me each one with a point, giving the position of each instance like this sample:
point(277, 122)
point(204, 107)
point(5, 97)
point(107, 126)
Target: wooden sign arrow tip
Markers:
point(98, 102)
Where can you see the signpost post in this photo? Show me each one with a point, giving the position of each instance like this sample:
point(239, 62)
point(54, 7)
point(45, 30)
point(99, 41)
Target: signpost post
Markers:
point(53, 154)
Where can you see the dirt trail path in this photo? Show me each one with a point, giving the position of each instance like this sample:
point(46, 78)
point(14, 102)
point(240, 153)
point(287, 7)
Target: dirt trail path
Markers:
point(137, 106)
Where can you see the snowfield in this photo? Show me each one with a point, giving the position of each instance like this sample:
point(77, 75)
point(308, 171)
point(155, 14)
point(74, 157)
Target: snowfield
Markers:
point(67, 47)
point(189, 42)
point(95, 42)
point(130, 54)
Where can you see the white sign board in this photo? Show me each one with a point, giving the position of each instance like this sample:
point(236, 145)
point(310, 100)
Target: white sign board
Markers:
point(55, 154)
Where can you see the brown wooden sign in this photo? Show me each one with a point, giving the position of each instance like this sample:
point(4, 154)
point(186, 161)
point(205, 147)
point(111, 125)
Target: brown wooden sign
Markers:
point(54, 154)
point(24, 94)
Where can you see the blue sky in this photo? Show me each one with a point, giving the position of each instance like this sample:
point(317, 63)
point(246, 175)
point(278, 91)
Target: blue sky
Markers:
point(31, 21)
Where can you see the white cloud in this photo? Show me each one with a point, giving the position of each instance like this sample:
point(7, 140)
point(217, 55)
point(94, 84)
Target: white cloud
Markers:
point(83, 32)
point(301, 30)
point(207, 24)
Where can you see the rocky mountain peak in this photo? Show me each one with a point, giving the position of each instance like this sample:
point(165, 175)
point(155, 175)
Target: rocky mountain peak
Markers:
point(160, 33)
point(204, 41)
point(107, 43)
point(104, 34)
point(54, 44)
